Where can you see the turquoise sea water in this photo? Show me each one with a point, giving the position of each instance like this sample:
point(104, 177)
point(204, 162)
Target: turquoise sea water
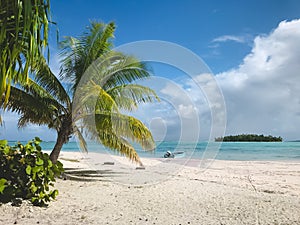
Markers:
point(274, 151)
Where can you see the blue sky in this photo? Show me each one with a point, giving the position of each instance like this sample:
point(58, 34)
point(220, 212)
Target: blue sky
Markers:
point(235, 39)
point(193, 24)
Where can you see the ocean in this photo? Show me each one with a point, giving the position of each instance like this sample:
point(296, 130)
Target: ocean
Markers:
point(244, 151)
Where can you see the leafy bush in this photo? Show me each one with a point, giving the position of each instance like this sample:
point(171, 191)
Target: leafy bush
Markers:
point(27, 173)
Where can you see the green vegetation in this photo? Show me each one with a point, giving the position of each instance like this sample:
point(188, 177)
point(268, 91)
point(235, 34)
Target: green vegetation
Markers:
point(27, 173)
point(23, 36)
point(44, 100)
point(249, 138)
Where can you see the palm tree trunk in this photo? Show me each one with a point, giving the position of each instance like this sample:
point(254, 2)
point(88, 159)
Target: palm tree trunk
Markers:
point(63, 136)
point(58, 146)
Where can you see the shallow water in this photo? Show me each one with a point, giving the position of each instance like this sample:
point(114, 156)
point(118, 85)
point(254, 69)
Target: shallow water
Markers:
point(274, 151)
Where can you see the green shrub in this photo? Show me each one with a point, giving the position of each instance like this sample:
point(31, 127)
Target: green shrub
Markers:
point(27, 173)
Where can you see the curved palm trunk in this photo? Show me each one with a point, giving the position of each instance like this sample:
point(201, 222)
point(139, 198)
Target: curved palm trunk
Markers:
point(56, 150)
point(63, 136)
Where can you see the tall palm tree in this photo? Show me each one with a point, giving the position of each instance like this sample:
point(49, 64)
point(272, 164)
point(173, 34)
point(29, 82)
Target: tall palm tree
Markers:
point(23, 35)
point(99, 85)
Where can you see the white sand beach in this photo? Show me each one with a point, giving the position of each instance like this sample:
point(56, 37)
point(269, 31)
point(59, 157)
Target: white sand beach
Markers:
point(104, 189)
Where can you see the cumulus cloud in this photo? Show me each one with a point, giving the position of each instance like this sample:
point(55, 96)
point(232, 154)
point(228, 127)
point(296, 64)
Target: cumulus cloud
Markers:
point(185, 111)
point(177, 110)
point(262, 94)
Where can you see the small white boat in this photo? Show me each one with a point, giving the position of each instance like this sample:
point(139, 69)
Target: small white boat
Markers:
point(177, 154)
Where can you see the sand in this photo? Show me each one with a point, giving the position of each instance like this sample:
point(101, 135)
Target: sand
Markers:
point(104, 189)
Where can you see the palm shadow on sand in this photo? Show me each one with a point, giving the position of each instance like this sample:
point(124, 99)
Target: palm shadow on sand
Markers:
point(79, 174)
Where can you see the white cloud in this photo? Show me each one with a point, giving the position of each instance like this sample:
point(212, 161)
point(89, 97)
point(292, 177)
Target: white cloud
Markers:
point(262, 94)
point(234, 38)
point(184, 110)
point(187, 111)
point(174, 92)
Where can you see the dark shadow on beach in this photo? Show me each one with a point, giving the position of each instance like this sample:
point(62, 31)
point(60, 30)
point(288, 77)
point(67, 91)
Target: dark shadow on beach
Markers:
point(85, 175)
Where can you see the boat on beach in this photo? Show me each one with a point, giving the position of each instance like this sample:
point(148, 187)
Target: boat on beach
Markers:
point(177, 154)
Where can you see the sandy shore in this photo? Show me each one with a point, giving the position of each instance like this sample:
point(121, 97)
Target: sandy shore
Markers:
point(167, 192)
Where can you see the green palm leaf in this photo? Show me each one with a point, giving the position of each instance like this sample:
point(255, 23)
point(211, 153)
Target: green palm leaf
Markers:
point(120, 145)
point(119, 124)
point(129, 96)
point(81, 139)
point(91, 98)
point(102, 84)
point(32, 109)
point(51, 84)
point(23, 35)
point(114, 68)
point(79, 54)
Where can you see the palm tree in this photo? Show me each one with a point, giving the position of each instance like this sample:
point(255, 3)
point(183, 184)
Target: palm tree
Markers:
point(23, 35)
point(88, 106)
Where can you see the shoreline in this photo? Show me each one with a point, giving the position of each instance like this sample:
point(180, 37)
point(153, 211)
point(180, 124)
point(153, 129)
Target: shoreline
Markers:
point(108, 153)
point(273, 174)
point(229, 151)
point(225, 192)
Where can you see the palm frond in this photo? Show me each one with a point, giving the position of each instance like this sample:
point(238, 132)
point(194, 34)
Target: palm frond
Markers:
point(79, 135)
point(120, 145)
point(102, 83)
point(120, 125)
point(90, 98)
point(71, 59)
point(37, 91)
point(78, 54)
point(32, 110)
point(115, 68)
point(97, 41)
point(45, 78)
point(23, 35)
point(128, 96)
point(107, 136)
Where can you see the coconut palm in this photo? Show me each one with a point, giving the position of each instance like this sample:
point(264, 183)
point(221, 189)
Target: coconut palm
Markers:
point(23, 35)
point(99, 86)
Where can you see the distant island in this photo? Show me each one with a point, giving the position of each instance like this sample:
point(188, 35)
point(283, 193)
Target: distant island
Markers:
point(249, 138)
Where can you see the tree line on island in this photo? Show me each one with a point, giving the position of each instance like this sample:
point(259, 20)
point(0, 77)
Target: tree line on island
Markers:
point(249, 138)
